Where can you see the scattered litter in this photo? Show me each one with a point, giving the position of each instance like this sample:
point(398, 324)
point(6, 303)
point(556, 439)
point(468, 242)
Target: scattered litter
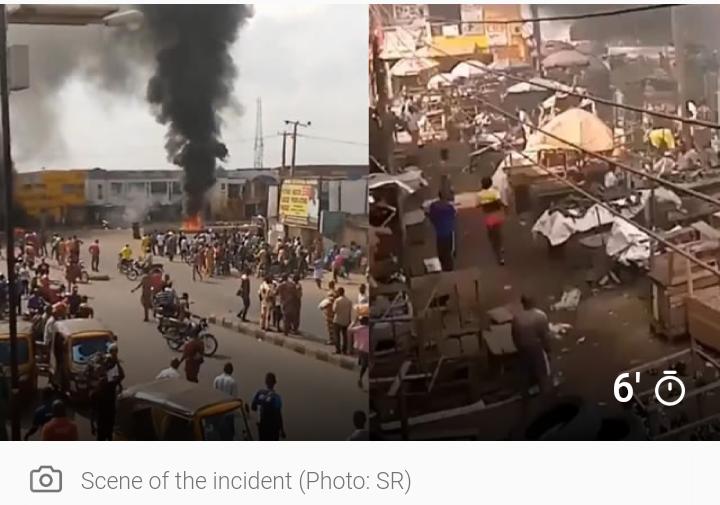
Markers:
point(557, 330)
point(569, 301)
point(708, 364)
point(614, 277)
point(611, 313)
point(523, 223)
point(580, 340)
point(507, 287)
point(564, 350)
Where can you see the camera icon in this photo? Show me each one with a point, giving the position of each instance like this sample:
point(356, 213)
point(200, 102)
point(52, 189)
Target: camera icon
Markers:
point(45, 479)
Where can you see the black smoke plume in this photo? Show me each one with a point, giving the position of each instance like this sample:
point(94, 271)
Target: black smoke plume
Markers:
point(192, 83)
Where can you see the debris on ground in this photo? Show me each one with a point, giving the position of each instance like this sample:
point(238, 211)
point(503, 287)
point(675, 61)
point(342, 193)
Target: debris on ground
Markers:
point(557, 330)
point(580, 340)
point(569, 301)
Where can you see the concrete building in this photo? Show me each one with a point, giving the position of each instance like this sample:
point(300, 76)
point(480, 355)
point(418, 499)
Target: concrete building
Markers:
point(52, 196)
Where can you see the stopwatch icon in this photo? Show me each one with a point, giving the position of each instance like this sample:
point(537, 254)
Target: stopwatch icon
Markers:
point(671, 386)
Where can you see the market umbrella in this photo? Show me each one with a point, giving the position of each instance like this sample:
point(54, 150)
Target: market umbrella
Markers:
point(412, 66)
point(580, 127)
point(565, 59)
point(440, 81)
point(468, 69)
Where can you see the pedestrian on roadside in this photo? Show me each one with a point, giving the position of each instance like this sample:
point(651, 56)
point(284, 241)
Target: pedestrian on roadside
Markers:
point(359, 421)
point(288, 299)
point(60, 427)
point(225, 381)
point(170, 372)
point(297, 307)
point(244, 293)
point(269, 406)
point(318, 272)
point(342, 317)
point(326, 305)
point(94, 250)
point(442, 215)
point(360, 333)
point(146, 295)
point(266, 294)
point(193, 357)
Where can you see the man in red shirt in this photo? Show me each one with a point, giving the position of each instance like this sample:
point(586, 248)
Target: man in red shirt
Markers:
point(94, 250)
point(60, 427)
point(193, 358)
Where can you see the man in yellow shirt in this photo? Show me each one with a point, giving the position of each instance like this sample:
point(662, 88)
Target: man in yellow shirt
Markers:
point(126, 254)
point(493, 215)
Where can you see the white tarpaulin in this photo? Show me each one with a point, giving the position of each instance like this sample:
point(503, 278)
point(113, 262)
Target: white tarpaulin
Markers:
point(558, 226)
point(628, 244)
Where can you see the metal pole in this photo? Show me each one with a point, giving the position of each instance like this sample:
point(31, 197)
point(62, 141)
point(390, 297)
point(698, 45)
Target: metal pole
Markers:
point(294, 151)
point(537, 36)
point(9, 229)
point(284, 149)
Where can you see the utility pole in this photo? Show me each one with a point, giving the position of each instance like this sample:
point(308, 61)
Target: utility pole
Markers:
point(680, 64)
point(537, 37)
point(295, 125)
point(9, 229)
point(259, 145)
point(284, 149)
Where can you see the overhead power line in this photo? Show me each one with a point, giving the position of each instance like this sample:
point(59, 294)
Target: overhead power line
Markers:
point(567, 17)
point(334, 140)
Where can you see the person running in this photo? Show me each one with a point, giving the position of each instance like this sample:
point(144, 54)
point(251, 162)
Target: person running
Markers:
point(94, 251)
point(493, 215)
point(60, 427)
point(244, 293)
point(342, 317)
point(269, 406)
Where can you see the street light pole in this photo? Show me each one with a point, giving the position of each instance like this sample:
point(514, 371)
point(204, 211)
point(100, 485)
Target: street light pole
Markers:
point(9, 228)
point(295, 125)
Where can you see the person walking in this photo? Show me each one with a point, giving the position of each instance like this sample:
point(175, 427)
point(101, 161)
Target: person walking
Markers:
point(225, 381)
point(170, 372)
point(318, 272)
point(326, 305)
point(531, 336)
point(193, 357)
point(94, 251)
point(244, 293)
point(342, 317)
point(60, 427)
point(297, 306)
point(442, 215)
point(493, 215)
point(287, 297)
point(268, 403)
point(361, 342)
point(146, 295)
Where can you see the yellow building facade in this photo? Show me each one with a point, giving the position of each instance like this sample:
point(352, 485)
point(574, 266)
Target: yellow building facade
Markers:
point(52, 195)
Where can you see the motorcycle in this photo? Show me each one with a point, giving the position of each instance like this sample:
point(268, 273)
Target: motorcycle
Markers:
point(176, 333)
point(137, 269)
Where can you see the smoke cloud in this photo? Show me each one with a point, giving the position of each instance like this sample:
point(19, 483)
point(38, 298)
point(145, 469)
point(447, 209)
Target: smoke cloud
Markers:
point(192, 83)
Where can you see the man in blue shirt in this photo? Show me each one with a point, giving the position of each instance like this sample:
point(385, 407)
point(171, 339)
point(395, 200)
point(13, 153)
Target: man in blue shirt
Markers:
point(269, 404)
point(442, 215)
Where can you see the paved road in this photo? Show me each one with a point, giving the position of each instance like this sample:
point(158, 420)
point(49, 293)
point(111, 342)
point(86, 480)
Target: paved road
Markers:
point(319, 399)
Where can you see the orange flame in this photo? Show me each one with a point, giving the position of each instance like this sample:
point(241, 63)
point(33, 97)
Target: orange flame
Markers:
point(192, 223)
